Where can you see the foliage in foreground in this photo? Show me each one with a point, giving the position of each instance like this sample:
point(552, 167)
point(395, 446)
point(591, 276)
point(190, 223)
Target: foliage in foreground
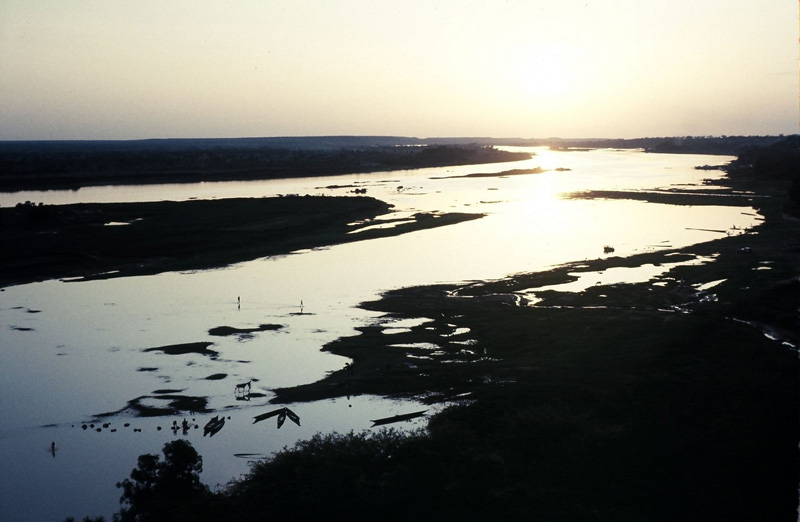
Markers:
point(164, 490)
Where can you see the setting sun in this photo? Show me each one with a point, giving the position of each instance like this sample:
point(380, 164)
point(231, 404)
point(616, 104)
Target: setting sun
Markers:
point(546, 74)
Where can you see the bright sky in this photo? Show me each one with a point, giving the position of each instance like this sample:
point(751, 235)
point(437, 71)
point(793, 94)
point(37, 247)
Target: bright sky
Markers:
point(108, 69)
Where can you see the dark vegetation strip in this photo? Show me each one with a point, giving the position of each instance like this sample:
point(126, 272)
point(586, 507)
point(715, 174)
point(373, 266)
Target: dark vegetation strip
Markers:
point(721, 197)
point(39, 242)
point(505, 173)
point(32, 166)
point(40, 165)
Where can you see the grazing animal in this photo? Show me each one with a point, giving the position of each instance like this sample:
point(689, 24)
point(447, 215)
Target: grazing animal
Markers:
point(241, 387)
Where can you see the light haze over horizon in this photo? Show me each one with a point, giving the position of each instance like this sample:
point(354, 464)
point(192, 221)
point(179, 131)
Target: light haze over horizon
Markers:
point(535, 68)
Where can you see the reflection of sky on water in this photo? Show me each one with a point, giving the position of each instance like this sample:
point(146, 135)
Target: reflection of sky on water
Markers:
point(82, 352)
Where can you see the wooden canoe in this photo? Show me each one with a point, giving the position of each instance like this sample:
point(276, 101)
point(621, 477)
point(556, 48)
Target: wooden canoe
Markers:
point(398, 418)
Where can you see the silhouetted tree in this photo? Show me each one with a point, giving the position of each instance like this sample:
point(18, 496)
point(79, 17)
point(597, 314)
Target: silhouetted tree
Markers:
point(157, 489)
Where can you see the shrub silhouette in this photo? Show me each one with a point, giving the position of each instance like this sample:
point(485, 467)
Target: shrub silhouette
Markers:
point(159, 490)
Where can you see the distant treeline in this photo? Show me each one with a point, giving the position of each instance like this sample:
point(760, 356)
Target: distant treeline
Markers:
point(721, 144)
point(779, 162)
point(47, 165)
point(724, 145)
point(72, 164)
point(780, 159)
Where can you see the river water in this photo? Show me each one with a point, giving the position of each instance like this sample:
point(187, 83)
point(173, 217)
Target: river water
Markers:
point(70, 351)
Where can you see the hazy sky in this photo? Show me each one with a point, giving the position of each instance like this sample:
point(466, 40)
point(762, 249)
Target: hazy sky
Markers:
point(105, 69)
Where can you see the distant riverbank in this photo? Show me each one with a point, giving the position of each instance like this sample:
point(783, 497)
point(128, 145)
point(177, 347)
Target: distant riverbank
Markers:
point(72, 165)
point(52, 165)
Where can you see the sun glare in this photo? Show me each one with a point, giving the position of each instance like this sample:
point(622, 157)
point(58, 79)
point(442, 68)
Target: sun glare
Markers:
point(546, 74)
point(546, 159)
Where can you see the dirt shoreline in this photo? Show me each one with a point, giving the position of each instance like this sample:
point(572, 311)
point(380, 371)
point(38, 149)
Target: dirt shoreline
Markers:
point(100, 241)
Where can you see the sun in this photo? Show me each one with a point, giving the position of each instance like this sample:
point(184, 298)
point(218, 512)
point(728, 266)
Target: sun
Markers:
point(546, 73)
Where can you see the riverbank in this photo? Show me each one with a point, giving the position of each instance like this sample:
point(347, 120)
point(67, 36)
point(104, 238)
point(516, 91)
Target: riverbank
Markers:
point(93, 241)
point(43, 165)
point(72, 165)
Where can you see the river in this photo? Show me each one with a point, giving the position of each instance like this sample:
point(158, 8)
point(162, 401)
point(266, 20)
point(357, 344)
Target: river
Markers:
point(70, 351)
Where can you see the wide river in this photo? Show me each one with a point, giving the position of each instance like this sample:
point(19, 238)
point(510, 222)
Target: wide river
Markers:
point(70, 351)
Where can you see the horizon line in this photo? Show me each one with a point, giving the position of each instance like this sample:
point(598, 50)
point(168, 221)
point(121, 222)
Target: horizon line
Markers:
point(393, 136)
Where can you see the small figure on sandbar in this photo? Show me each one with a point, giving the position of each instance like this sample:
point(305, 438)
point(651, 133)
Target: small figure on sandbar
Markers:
point(239, 302)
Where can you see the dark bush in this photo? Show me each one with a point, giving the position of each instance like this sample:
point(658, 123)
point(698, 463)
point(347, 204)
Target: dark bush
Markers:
point(163, 490)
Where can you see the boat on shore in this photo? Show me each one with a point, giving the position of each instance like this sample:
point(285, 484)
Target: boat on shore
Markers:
point(281, 413)
point(213, 426)
point(398, 418)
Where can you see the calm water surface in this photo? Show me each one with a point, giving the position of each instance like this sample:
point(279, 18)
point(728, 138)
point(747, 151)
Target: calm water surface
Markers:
point(72, 350)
